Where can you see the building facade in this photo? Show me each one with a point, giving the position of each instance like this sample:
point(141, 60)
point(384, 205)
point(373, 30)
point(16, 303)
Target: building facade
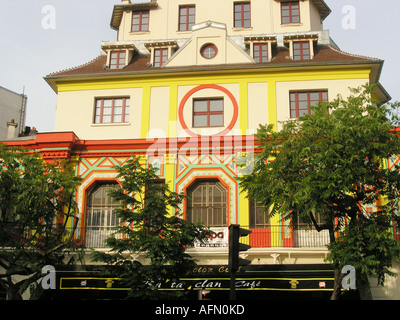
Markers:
point(13, 113)
point(186, 85)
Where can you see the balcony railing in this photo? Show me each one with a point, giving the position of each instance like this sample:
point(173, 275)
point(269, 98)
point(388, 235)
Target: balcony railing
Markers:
point(274, 236)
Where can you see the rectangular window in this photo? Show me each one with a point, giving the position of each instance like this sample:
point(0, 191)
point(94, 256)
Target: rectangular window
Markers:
point(208, 113)
point(257, 216)
point(300, 102)
point(290, 12)
point(187, 16)
point(140, 21)
point(301, 50)
point(160, 57)
point(242, 15)
point(112, 110)
point(117, 59)
point(260, 52)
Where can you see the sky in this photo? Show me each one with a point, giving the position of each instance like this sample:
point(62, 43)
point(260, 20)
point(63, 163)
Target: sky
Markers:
point(38, 37)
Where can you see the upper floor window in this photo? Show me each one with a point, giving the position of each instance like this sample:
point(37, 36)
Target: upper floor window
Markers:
point(112, 110)
point(260, 52)
point(290, 12)
point(117, 59)
point(187, 16)
point(300, 102)
point(208, 113)
point(301, 50)
point(242, 15)
point(140, 21)
point(160, 57)
point(209, 51)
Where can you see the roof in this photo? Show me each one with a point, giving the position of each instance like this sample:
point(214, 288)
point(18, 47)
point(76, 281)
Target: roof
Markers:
point(323, 8)
point(323, 54)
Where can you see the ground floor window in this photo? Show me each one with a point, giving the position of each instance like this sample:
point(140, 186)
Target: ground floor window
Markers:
point(207, 203)
point(101, 217)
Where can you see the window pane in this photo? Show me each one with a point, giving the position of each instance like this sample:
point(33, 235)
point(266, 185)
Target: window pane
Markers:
point(106, 111)
point(216, 105)
point(106, 119)
point(216, 120)
point(200, 121)
point(200, 106)
point(117, 118)
point(117, 110)
point(314, 96)
point(118, 102)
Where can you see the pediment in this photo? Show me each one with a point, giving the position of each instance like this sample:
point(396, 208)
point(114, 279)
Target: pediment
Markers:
point(213, 35)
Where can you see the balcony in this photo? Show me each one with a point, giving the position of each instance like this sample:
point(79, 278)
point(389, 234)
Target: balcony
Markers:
point(274, 236)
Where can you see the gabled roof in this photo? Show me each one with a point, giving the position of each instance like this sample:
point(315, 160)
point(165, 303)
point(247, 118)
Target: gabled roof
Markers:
point(140, 65)
point(323, 54)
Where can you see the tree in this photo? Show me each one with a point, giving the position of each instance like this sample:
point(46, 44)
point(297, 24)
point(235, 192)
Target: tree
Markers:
point(37, 219)
point(331, 163)
point(150, 224)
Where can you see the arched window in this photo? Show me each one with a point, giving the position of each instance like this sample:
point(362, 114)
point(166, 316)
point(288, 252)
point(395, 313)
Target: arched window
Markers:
point(207, 203)
point(101, 217)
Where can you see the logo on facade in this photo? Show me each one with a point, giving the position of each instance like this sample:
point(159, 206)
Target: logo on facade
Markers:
point(294, 283)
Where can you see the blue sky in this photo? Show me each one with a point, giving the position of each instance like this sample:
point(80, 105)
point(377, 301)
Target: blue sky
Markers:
point(32, 46)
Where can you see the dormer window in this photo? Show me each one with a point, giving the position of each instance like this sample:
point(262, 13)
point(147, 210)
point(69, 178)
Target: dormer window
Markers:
point(140, 21)
point(260, 52)
point(160, 57)
point(117, 59)
point(301, 47)
point(260, 47)
point(118, 54)
point(160, 52)
point(301, 50)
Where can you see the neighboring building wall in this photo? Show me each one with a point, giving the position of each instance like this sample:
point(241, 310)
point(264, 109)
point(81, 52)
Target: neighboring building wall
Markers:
point(12, 107)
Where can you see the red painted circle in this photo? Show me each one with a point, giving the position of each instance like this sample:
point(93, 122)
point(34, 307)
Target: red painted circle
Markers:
point(208, 86)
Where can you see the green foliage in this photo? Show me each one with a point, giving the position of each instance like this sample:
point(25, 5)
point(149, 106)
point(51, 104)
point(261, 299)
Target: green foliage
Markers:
point(37, 210)
point(152, 225)
point(368, 245)
point(331, 163)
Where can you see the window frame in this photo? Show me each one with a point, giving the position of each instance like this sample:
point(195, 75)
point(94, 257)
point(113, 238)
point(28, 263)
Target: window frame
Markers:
point(100, 218)
point(208, 113)
point(117, 59)
point(259, 46)
point(159, 60)
point(301, 56)
point(290, 9)
point(186, 25)
point(297, 108)
point(206, 47)
point(241, 23)
point(124, 114)
point(208, 205)
point(256, 219)
point(143, 26)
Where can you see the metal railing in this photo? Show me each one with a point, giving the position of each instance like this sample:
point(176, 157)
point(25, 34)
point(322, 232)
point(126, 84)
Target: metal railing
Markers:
point(273, 236)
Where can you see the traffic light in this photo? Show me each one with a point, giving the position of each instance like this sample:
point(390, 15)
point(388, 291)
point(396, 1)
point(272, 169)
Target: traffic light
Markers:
point(235, 233)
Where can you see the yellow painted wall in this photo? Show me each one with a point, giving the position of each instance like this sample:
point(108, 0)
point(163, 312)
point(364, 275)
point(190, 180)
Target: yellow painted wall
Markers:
point(261, 96)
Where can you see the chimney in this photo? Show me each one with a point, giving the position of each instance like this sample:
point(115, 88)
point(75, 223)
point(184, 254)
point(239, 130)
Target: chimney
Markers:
point(126, 1)
point(12, 126)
